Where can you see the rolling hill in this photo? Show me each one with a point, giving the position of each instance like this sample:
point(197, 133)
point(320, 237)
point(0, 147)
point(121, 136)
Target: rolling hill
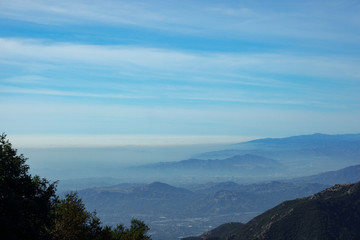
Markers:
point(172, 212)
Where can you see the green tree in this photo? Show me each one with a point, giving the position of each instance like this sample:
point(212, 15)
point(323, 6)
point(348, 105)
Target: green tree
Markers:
point(30, 209)
point(137, 231)
point(73, 222)
point(26, 202)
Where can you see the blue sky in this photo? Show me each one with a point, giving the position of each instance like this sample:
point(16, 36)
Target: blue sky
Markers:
point(197, 69)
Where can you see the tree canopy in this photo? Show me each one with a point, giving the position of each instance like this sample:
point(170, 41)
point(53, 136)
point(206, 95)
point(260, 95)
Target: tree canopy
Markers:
point(30, 208)
point(26, 202)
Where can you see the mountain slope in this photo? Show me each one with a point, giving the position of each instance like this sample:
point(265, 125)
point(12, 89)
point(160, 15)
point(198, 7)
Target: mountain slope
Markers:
point(224, 231)
point(342, 176)
point(330, 214)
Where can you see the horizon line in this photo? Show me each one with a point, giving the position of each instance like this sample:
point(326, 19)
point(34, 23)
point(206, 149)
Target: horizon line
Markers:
point(120, 140)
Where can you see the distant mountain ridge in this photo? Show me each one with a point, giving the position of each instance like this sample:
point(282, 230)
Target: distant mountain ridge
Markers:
point(316, 140)
point(304, 140)
point(261, 160)
point(346, 175)
point(299, 155)
point(311, 141)
point(161, 190)
point(244, 166)
point(333, 213)
point(238, 161)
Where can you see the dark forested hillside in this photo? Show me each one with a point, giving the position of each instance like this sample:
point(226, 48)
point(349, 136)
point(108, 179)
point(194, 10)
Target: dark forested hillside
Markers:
point(330, 214)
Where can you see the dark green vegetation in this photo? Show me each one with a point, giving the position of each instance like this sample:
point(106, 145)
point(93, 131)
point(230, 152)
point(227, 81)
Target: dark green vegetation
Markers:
point(30, 209)
point(331, 214)
point(26, 202)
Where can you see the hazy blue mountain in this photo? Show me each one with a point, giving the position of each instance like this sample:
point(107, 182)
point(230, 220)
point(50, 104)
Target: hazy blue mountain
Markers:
point(285, 157)
point(246, 166)
point(196, 208)
point(263, 160)
point(317, 140)
point(300, 155)
point(172, 212)
point(158, 190)
point(234, 163)
point(333, 213)
point(346, 175)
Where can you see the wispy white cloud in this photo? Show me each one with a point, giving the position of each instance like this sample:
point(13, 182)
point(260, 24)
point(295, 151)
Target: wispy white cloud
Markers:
point(130, 58)
point(249, 19)
point(128, 72)
point(33, 79)
point(252, 100)
point(199, 95)
point(50, 92)
point(171, 85)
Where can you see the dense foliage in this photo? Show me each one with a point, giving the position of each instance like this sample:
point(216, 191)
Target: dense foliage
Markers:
point(73, 222)
point(30, 209)
point(26, 202)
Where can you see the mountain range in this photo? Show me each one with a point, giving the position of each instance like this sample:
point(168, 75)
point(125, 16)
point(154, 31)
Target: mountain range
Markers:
point(191, 209)
point(232, 185)
point(247, 167)
point(172, 212)
point(325, 142)
point(249, 162)
point(300, 155)
point(259, 160)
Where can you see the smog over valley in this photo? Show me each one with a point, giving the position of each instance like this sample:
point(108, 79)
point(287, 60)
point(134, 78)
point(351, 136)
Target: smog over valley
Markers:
point(194, 120)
